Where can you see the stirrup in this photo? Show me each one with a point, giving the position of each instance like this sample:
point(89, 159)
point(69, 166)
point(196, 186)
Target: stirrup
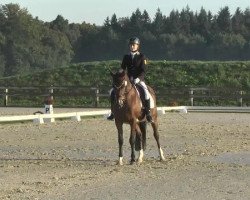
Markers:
point(111, 117)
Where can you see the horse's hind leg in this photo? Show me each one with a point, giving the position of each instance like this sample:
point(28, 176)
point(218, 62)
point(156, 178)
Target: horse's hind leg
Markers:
point(157, 138)
point(138, 141)
point(132, 144)
point(143, 127)
point(139, 135)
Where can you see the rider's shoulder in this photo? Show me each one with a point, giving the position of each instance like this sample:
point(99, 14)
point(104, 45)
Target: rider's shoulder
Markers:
point(142, 56)
point(126, 56)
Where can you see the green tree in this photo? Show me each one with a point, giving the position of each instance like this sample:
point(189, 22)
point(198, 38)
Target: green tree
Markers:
point(146, 21)
point(135, 25)
point(238, 26)
point(60, 24)
point(228, 46)
point(224, 20)
point(185, 21)
point(174, 23)
point(247, 22)
point(204, 23)
point(31, 44)
point(158, 23)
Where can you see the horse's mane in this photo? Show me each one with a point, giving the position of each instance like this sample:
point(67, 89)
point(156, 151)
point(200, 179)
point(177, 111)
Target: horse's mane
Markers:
point(120, 76)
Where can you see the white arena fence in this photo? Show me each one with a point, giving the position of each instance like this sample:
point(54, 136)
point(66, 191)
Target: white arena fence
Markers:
point(76, 116)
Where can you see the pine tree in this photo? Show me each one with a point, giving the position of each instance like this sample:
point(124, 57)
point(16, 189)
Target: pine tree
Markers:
point(185, 21)
point(224, 20)
point(238, 22)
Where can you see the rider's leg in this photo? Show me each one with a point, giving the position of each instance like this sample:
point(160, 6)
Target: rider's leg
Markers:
point(112, 100)
point(147, 101)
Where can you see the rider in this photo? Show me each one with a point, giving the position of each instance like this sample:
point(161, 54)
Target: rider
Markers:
point(134, 63)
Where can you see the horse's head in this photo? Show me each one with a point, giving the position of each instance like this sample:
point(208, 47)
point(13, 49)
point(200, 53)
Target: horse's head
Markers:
point(120, 82)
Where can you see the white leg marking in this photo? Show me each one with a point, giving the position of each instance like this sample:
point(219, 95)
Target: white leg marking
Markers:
point(161, 154)
point(120, 161)
point(141, 154)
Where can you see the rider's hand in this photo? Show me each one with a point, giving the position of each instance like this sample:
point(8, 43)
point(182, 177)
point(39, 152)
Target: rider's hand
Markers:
point(137, 80)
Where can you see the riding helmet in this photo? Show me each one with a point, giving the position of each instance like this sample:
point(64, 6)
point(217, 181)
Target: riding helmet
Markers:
point(134, 40)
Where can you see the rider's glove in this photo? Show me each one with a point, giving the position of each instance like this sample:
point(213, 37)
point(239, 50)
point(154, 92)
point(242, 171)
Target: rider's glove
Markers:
point(137, 80)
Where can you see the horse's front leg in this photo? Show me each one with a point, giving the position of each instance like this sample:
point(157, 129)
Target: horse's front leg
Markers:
point(132, 142)
point(120, 141)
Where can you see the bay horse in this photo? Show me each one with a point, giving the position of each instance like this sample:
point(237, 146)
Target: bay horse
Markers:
point(127, 108)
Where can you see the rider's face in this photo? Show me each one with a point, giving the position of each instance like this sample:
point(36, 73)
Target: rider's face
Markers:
point(134, 47)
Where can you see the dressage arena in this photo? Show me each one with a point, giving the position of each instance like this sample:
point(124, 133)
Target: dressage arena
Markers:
point(208, 157)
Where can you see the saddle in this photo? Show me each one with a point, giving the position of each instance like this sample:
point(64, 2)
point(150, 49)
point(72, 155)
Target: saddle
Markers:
point(141, 94)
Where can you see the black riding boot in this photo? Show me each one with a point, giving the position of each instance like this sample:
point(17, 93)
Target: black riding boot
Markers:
point(112, 100)
point(147, 111)
point(111, 116)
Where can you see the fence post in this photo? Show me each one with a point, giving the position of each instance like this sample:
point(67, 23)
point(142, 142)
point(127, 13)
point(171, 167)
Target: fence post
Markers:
point(48, 104)
point(191, 93)
point(51, 91)
point(97, 97)
point(241, 99)
point(6, 97)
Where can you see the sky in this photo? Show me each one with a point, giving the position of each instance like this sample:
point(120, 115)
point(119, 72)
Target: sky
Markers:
point(96, 11)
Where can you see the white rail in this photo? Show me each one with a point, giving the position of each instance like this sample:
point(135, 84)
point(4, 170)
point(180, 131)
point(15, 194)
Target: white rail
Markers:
point(218, 109)
point(41, 118)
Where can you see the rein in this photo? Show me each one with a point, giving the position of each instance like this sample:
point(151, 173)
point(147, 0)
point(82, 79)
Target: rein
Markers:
point(127, 90)
point(118, 87)
point(125, 83)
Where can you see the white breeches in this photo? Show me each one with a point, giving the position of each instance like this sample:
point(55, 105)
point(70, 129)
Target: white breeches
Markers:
point(145, 88)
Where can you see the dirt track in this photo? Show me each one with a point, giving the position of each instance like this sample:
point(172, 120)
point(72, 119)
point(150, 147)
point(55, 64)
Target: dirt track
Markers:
point(208, 157)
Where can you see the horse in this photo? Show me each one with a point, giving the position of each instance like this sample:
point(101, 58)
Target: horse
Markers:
point(127, 108)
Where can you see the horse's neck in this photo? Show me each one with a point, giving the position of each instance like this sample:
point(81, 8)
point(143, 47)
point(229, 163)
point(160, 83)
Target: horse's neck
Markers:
point(131, 90)
point(129, 86)
point(132, 95)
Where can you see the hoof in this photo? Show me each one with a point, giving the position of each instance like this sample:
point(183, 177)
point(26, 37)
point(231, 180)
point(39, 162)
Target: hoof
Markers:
point(162, 159)
point(139, 161)
point(120, 162)
point(132, 162)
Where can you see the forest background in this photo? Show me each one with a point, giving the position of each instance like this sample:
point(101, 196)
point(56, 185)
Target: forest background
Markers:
point(28, 44)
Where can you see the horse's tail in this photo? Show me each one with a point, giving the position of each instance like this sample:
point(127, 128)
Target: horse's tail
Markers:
point(143, 126)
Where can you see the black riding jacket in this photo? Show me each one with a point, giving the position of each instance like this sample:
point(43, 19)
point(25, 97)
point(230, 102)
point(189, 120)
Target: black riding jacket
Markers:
point(135, 67)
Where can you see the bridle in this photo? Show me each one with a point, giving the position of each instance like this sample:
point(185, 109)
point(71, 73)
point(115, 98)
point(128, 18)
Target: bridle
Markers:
point(122, 98)
point(123, 83)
